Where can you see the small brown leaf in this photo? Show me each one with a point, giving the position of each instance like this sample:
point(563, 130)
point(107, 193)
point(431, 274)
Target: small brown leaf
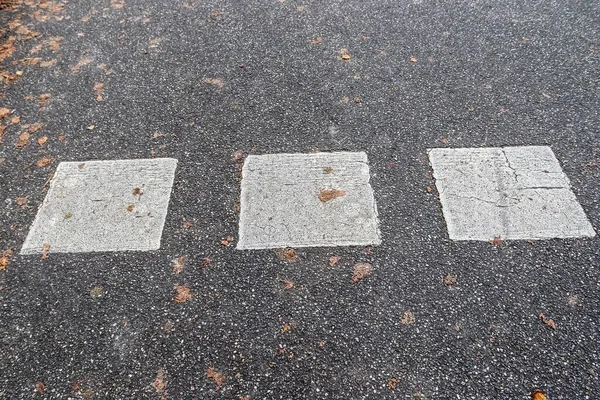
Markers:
point(40, 387)
point(21, 201)
point(413, 59)
point(539, 395)
point(41, 141)
point(227, 241)
point(96, 291)
point(5, 112)
point(187, 224)
point(215, 14)
point(117, 3)
point(177, 265)
point(408, 318)
point(214, 81)
point(361, 271)
point(137, 191)
point(547, 321)
point(287, 284)
point(287, 254)
point(392, 383)
point(130, 207)
point(15, 120)
point(450, 280)
point(444, 141)
point(591, 164)
point(345, 57)
point(68, 215)
point(91, 127)
point(357, 99)
point(327, 170)
point(45, 250)
point(205, 263)
point(429, 189)
point(42, 162)
point(159, 384)
point(23, 140)
point(62, 138)
point(326, 195)
point(217, 377)
point(333, 260)
point(317, 40)
point(496, 241)
point(182, 294)
point(44, 98)
point(82, 62)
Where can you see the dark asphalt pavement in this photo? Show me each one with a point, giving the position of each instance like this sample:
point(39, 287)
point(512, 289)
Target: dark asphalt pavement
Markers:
point(199, 80)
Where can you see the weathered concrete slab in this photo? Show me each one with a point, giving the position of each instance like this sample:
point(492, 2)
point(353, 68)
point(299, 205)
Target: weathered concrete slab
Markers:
point(511, 193)
point(304, 200)
point(103, 206)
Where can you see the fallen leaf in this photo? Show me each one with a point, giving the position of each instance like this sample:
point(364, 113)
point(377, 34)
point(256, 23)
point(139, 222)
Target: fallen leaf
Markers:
point(54, 42)
point(392, 383)
point(85, 19)
point(82, 62)
point(21, 201)
point(96, 291)
point(205, 263)
point(28, 61)
point(345, 57)
point(99, 88)
point(40, 387)
point(7, 48)
point(177, 265)
point(326, 195)
point(444, 141)
point(48, 63)
point(137, 191)
point(5, 112)
point(547, 321)
point(42, 140)
point(496, 241)
point(215, 14)
point(287, 254)
point(68, 215)
point(23, 140)
point(42, 162)
point(361, 271)
point(357, 100)
point(45, 250)
point(91, 127)
point(591, 164)
point(187, 224)
point(3, 263)
point(327, 170)
point(130, 207)
point(62, 138)
point(15, 120)
point(182, 294)
point(429, 189)
point(81, 166)
point(227, 241)
point(117, 3)
point(450, 280)
point(538, 395)
point(159, 384)
point(413, 59)
point(217, 377)
point(334, 260)
point(317, 40)
point(408, 318)
point(287, 284)
point(214, 81)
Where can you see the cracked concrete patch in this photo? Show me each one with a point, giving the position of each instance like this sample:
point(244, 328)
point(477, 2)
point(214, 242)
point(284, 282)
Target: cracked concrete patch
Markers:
point(511, 192)
point(282, 202)
point(112, 205)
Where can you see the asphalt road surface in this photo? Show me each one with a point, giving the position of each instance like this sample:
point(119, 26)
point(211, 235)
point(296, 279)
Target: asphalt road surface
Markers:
point(210, 82)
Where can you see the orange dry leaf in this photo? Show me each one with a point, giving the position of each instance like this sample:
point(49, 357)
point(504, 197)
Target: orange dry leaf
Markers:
point(361, 271)
point(287, 254)
point(326, 195)
point(496, 241)
point(408, 318)
point(217, 377)
point(317, 40)
point(45, 250)
point(43, 99)
point(547, 321)
point(41, 141)
point(137, 191)
point(204, 263)
point(7, 48)
point(3, 263)
point(82, 61)
point(187, 224)
point(287, 284)
point(40, 387)
point(334, 260)
point(413, 59)
point(117, 3)
point(21, 201)
point(42, 162)
point(99, 88)
point(177, 264)
point(214, 81)
point(159, 383)
point(227, 241)
point(23, 140)
point(538, 395)
point(450, 280)
point(54, 42)
point(182, 294)
point(5, 112)
point(130, 207)
point(47, 64)
point(327, 170)
point(392, 383)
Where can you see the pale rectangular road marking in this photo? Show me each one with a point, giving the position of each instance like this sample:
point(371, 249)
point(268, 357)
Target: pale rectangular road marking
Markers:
point(511, 193)
point(111, 205)
point(305, 200)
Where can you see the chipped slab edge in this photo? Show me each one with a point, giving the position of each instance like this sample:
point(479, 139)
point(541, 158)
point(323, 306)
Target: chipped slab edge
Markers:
point(361, 156)
point(589, 232)
point(171, 166)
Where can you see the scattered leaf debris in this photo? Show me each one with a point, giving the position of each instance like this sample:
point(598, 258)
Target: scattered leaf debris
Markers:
point(361, 271)
point(287, 254)
point(333, 260)
point(99, 88)
point(130, 207)
point(205, 263)
point(326, 195)
point(159, 384)
point(42, 162)
point(408, 318)
point(429, 189)
point(137, 192)
point(45, 251)
point(287, 284)
point(186, 224)
point(392, 383)
point(42, 140)
point(538, 395)
point(182, 294)
point(5, 112)
point(287, 327)
point(23, 140)
point(496, 241)
point(177, 265)
point(40, 387)
point(214, 81)
point(117, 4)
point(227, 241)
point(413, 59)
point(4, 260)
point(317, 40)
point(450, 280)
point(327, 170)
point(547, 321)
point(21, 201)
point(81, 63)
point(217, 377)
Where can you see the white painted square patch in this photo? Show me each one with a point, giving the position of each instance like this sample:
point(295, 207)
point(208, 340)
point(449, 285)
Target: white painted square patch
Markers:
point(111, 205)
point(306, 200)
point(510, 192)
